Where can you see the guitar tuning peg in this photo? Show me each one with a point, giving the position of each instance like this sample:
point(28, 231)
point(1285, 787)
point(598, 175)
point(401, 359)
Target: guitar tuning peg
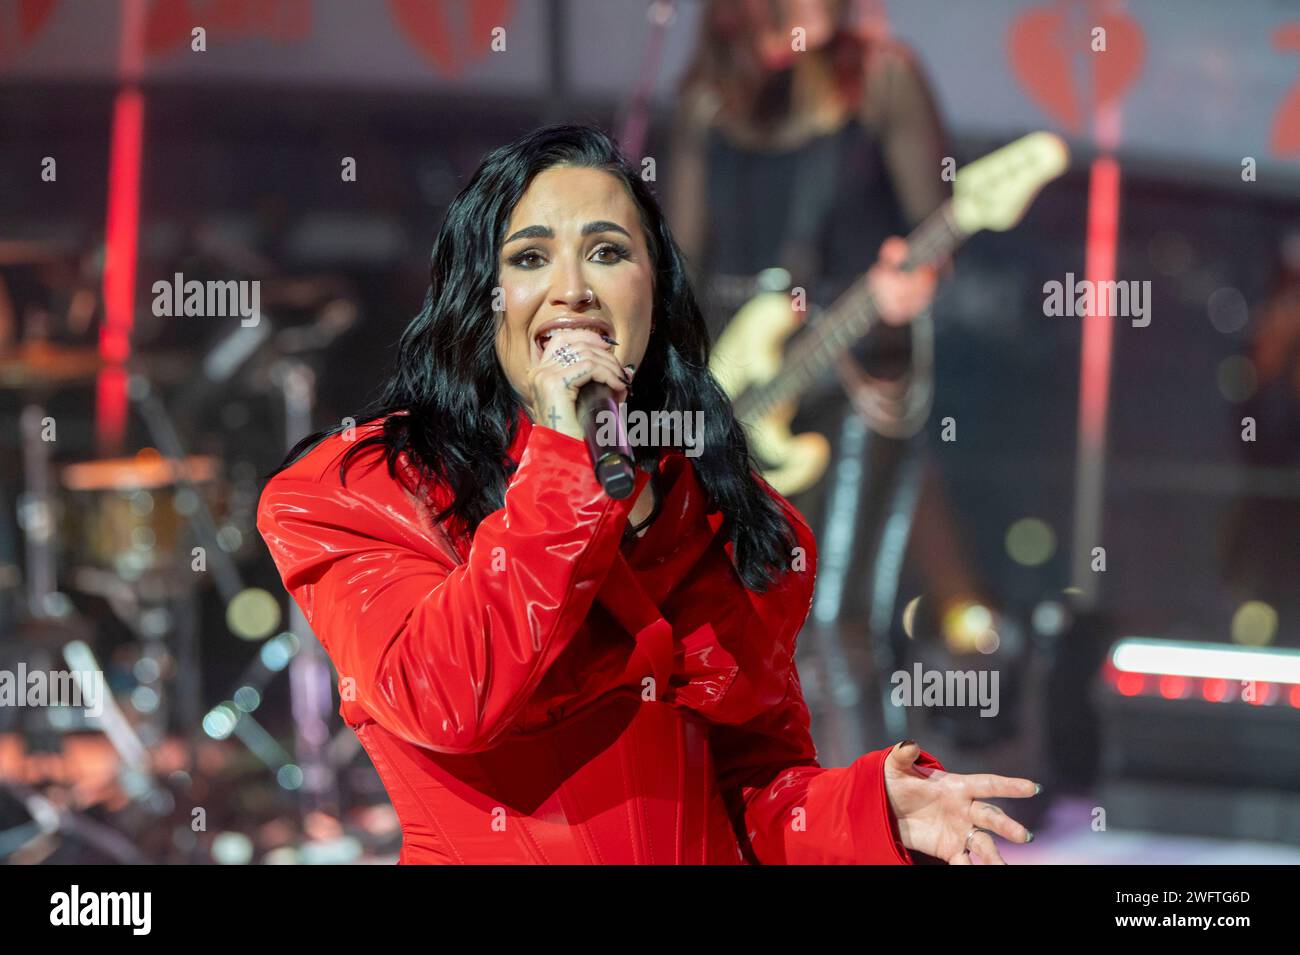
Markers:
point(774, 280)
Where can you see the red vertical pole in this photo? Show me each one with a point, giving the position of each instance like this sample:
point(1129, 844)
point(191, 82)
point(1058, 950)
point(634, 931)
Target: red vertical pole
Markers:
point(122, 233)
point(1102, 241)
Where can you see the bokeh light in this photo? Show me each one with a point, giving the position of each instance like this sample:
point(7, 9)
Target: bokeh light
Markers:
point(1254, 624)
point(1236, 378)
point(1030, 542)
point(1227, 310)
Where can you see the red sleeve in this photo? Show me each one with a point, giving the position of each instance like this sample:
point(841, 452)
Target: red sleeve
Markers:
point(445, 654)
point(794, 812)
point(785, 806)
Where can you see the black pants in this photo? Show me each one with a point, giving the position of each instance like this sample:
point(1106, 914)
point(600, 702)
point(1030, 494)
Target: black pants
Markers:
point(860, 512)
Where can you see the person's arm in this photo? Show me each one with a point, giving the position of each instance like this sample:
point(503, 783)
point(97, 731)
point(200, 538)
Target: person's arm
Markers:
point(446, 654)
point(785, 807)
point(795, 812)
point(900, 107)
point(911, 133)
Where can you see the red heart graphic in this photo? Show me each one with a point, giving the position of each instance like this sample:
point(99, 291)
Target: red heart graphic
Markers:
point(168, 23)
point(1044, 43)
point(425, 24)
point(32, 17)
point(1287, 38)
point(1285, 140)
point(1040, 57)
point(1116, 69)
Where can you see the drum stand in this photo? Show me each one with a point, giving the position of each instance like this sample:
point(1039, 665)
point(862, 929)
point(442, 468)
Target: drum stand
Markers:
point(310, 678)
point(310, 682)
point(51, 622)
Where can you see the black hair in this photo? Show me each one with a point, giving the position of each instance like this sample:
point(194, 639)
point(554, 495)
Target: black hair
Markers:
point(450, 408)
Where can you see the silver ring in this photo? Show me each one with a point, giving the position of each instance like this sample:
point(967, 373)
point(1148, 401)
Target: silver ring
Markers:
point(566, 356)
point(970, 835)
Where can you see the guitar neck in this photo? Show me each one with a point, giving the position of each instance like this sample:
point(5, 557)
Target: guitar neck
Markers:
point(846, 321)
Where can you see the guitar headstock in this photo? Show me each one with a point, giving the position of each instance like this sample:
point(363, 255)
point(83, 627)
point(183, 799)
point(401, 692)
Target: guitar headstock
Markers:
point(994, 191)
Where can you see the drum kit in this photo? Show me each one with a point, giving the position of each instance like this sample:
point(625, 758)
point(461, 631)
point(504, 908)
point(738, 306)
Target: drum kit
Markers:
point(144, 535)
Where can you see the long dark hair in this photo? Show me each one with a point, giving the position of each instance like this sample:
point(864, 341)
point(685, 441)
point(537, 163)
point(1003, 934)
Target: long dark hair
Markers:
point(726, 63)
point(450, 407)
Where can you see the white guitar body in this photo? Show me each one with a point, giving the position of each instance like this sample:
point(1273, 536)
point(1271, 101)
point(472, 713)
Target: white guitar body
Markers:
point(749, 352)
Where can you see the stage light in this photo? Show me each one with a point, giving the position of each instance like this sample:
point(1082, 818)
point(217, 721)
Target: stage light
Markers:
point(1206, 660)
point(289, 776)
point(1254, 624)
point(909, 617)
point(230, 539)
point(155, 622)
point(277, 653)
point(247, 699)
point(1260, 694)
point(988, 642)
point(338, 851)
point(1228, 310)
point(253, 614)
point(144, 699)
point(232, 848)
point(220, 721)
point(1216, 691)
point(1050, 618)
point(146, 670)
point(1173, 687)
point(1130, 684)
point(964, 624)
point(1030, 542)
point(186, 502)
point(130, 565)
point(1237, 378)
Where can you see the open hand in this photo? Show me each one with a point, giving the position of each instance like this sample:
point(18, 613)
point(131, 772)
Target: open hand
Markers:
point(936, 809)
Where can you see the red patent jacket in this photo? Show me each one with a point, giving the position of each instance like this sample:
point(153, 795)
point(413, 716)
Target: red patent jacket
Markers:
point(553, 693)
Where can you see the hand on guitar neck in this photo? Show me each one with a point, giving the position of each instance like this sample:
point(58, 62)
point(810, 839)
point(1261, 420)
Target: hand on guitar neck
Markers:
point(900, 293)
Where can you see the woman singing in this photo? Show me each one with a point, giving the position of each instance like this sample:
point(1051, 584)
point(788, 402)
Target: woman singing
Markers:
point(542, 673)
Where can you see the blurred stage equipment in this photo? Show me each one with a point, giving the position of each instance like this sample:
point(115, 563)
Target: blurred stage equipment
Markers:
point(310, 680)
point(142, 533)
point(1201, 738)
point(50, 628)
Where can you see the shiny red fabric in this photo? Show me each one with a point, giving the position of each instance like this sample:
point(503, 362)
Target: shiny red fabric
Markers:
point(553, 694)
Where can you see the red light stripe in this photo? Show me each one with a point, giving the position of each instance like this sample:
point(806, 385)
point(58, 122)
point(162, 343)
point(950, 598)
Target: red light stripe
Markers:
point(122, 233)
point(1099, 266)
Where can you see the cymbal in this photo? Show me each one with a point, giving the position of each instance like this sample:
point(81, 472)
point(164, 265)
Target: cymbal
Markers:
point(34, 364)
point(147, 470)
point(41, 364)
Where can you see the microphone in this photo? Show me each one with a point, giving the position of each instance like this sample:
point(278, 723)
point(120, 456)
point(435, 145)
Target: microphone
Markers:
point(612, 462)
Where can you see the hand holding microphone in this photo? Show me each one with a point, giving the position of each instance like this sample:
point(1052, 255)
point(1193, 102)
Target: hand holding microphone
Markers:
point(577, 377)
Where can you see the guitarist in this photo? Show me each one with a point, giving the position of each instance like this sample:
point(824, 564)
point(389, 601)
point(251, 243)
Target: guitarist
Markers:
point(812, 160)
